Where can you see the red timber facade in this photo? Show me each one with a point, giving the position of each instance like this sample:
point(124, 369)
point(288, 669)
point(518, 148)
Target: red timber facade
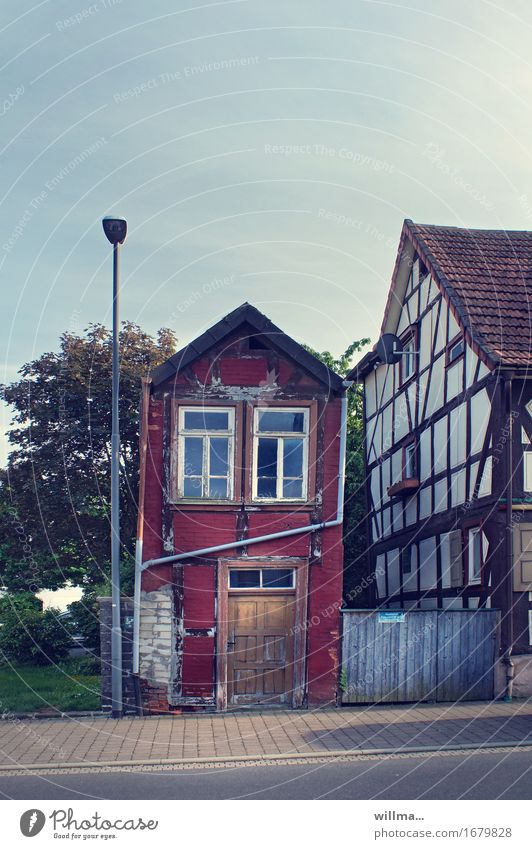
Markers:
point(448, 433)
point(241, 438)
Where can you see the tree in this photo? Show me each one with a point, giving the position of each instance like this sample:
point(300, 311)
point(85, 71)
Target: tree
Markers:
point(356, 565)
point(54, 494)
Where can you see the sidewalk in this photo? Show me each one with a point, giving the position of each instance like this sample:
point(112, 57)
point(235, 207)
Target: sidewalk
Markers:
point(88, 741)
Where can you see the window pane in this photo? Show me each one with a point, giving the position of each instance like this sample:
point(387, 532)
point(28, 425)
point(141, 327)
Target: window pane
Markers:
point(219, 446)
point(193, 455)
point(192, 488)
point(267, 458)
point(274, 421)
point(267, 487)
point(218, 487)
point(292, 488)
point(277, 578)
point(206, 420)
point(292, 458)
point(244, 578)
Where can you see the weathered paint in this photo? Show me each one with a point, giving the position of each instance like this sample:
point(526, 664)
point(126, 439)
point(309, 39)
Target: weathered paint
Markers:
point(434, 655)
point(231, 374)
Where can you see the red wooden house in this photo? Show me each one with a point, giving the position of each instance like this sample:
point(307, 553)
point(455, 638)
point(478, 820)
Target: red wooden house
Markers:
point(239, 553)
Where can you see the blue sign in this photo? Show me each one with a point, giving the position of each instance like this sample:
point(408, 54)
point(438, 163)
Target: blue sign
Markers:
point(391, 616)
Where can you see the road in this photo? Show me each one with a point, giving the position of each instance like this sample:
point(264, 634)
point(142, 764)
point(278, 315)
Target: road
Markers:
point(505, 774)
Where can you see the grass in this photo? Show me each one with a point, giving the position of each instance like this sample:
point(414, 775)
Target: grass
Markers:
point(42, 688)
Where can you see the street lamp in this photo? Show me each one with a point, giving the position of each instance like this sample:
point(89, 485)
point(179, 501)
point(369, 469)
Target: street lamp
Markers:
point(115, 229)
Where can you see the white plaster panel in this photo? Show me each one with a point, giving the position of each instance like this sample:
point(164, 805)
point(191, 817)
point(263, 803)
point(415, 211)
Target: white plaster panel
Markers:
point(411, 511)
point(471, 360)
point(480, 412)
point(440, 445)
point(440, 496)
point(425, 456)
point(427, 563)
point(485, 484)
point(454, 377)
point(370, 394)
point(445, 555)
point(425, 506)
point(393, 572)
point(458, 432)
point(436, 386)
point(458, 493)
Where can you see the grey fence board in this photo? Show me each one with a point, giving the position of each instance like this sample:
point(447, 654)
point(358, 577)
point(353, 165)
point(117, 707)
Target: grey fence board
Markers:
point(434, 655)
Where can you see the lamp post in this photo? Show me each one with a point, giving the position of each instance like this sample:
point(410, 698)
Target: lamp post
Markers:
point(115, 229)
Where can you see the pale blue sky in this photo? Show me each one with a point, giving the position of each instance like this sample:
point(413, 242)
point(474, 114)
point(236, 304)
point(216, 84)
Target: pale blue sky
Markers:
point(273, 146)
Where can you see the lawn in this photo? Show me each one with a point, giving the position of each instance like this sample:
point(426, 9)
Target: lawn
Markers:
point(42, 688)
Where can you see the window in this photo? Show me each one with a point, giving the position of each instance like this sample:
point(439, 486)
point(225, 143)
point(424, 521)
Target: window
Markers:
point(408, 359)
point(406, 560)
point(410, 464)
point(475, 556)
point(455, 350)
point(280, 454)
point(261, 579)
point(527, 466)
point(205, 452)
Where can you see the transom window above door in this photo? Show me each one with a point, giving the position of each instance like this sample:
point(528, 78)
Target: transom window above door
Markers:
point(280, 454)
point(261, 579)
point(206, 452)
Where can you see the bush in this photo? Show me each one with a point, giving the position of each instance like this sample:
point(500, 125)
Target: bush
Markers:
point(85, 615)
point(32, 636)
point(85, 665)
point(16, 602)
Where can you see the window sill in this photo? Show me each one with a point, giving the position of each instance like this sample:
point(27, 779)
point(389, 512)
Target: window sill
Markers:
point(404, 487)
point(251, 506)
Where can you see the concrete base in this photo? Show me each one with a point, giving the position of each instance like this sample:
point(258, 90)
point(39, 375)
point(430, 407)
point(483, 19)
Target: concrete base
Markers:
point(522, 682)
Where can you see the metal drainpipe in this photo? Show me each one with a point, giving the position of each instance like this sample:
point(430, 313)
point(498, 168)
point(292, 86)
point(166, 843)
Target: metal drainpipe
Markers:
point(140, 567)
point(509, 539)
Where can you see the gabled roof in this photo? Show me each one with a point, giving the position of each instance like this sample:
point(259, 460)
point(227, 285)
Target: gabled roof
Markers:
point(249, 315)
point(486, 275)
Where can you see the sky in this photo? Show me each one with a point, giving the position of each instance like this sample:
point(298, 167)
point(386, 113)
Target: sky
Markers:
point(260, 151)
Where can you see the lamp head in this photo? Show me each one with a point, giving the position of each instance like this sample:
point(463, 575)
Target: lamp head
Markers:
point(115, 229)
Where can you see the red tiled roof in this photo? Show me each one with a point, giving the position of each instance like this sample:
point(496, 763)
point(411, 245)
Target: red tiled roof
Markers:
point(487, 275)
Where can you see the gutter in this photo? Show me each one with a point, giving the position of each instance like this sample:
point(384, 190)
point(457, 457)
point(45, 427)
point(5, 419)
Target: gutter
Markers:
point(507, 660)
point(174, 558)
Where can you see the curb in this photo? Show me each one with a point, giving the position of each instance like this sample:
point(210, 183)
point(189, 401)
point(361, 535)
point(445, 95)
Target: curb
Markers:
point(334, 754)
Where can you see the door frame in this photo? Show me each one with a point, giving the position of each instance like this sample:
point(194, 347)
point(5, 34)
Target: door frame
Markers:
point(300, 565)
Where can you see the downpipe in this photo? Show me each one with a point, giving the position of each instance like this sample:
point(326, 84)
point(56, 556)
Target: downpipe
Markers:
point(174, 558)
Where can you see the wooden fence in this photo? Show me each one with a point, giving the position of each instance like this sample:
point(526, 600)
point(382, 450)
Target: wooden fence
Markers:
point(419, 655)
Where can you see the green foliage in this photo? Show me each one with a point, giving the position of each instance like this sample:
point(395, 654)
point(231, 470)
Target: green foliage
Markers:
point(87, 664)
point(54, 494)
point(85, 619)
point(356, 564)
point(32, 636)
point(17, 603)
point(343, 679)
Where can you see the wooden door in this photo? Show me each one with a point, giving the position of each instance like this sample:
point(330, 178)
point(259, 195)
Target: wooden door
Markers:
point(260, 649)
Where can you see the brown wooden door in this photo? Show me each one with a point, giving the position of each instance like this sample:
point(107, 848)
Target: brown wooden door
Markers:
point(260, 650)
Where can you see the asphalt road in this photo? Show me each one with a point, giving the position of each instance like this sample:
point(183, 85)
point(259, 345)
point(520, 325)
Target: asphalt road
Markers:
point(506, 774)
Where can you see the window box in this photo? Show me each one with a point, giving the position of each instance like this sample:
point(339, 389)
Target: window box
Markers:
point(404, 487)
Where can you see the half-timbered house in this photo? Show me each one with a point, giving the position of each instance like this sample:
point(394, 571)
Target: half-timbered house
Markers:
point(448, 432)
point(239, 552)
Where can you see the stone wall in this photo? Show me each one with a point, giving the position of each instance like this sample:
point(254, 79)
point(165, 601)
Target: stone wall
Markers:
point(128, 692)
point(157, 640)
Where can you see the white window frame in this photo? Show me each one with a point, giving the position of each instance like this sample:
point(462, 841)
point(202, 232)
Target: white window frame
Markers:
point(410, 458)
point(527, 471)
point(205, 435)
point(471, 577)
point(409, 364)
point(280, 436)
point(261, 587)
